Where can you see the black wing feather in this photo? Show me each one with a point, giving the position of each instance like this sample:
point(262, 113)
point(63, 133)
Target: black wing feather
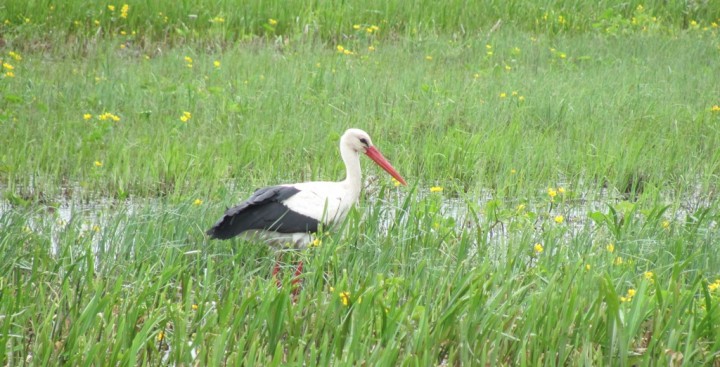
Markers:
point(263, 210)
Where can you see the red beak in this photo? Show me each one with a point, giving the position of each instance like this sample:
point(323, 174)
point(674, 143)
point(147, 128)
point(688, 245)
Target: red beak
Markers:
point(376, 156)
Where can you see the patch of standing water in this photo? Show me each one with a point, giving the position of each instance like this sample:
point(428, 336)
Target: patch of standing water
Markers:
point(87, 221)
point(453, 214)
point(574, 212)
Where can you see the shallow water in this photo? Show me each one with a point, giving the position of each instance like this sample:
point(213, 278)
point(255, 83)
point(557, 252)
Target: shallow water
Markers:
point(95, 217)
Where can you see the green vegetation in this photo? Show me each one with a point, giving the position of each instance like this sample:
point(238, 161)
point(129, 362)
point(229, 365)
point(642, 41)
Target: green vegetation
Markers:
point(572, 151)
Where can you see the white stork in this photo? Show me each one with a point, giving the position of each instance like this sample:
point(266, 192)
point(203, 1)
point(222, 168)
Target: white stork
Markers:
point(291, 213)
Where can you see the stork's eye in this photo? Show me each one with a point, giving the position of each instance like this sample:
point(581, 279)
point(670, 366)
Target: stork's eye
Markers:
point(365, 142)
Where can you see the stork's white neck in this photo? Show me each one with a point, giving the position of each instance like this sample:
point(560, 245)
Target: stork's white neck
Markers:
point(352, 169)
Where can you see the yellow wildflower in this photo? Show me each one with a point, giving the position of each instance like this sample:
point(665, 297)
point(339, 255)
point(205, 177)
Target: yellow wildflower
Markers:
point(186, 116)
point(98, 164)
point(649, 275)
point(7, 66)
point(356, 26)
point(513, 171)
point(160, 336)
point(316, 242)
point(340, 48)
point(272, 22)
point(712, 287)
point(87, 116)
point(559, 219)
point(124, 11)
point(428, 57)
point(561, 190)
point(552, 192)
point(197, 202)
point(610, 247)
point(216, 64)
point(538, 248)
point(715, 108)
point(15, 55)
point(9, 74)
point(629, 296)
point(371, 48)
point(436, 189)
point(666, 224)
point(345, 298)
point(109, 116)
point(521, 98)
point(618, 260)
point(395, 182)
point(111, 7)
point(217, 20)
point(587, 266)
point(96, 228)
point(194, 307)
point(503, 95)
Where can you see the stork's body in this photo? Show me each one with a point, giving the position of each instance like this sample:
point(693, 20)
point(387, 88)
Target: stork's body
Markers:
point(291, 213)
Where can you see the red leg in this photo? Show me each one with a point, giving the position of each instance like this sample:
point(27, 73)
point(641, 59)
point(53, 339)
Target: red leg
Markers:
point(297, 281)
point(298, 271)
point(276, 274)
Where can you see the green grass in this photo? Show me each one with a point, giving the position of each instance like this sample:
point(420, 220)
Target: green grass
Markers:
point(613, 108)
point(104, 258)
point(424, 291)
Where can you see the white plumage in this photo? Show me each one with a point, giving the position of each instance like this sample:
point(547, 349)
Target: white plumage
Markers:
point(290, 213)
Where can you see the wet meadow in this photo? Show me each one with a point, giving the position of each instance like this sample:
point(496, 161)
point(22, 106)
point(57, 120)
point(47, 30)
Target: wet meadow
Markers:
point(562, 161)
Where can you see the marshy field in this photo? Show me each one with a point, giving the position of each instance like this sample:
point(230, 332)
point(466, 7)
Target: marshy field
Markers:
point(562, 161)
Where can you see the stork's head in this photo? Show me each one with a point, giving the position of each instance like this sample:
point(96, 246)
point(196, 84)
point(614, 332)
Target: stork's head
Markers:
point(359, 141)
